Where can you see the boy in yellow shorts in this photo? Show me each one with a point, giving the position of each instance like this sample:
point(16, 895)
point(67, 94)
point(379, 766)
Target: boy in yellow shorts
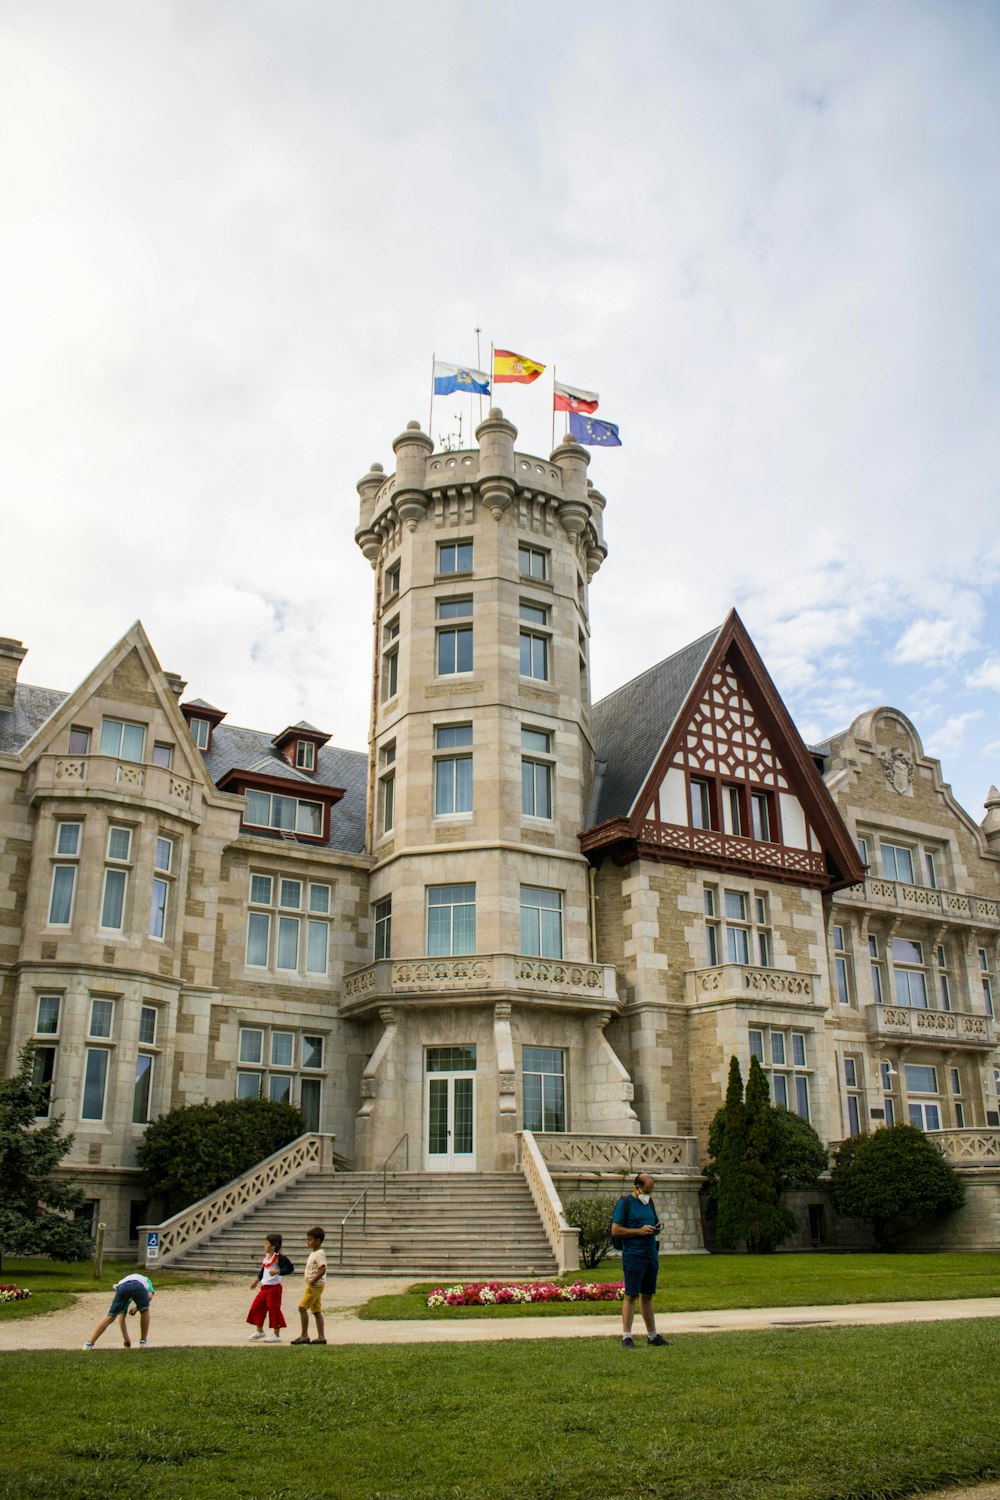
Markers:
point(312, 1296)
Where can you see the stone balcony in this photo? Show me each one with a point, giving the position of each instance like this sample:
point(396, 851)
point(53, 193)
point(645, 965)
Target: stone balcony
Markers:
point(80, 776)
point(893, 896)
point(938, 1028)
point(599, 1156)
point(555, 983)
point(729, 984)
point(970, 1147)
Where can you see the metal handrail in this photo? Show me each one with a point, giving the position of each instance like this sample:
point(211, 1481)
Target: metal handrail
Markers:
point(362, 1198)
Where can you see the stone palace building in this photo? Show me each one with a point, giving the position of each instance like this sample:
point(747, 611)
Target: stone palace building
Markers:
point(520, 911)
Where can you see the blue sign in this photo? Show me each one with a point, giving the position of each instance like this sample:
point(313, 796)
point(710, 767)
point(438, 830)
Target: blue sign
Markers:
point(152, 1244)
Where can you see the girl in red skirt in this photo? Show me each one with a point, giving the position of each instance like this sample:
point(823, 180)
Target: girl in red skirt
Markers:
point(267, 1302)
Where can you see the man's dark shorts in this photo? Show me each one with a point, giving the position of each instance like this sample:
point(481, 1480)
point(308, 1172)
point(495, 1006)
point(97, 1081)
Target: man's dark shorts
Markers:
point(131, 1291)
point(639, 1275)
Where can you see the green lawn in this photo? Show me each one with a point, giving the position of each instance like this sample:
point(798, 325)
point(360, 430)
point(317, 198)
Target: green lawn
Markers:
point(692, 1283)
point(54, 1286)
point(817, 1414)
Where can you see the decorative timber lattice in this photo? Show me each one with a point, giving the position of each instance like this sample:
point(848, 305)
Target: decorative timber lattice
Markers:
point(725, 737)
point(728, 846)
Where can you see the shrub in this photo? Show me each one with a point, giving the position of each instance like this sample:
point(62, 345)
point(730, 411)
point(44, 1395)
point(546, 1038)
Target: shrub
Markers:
point(190, 1152)
point(893, 1179)
point(592, 1216)
point(36, 1207)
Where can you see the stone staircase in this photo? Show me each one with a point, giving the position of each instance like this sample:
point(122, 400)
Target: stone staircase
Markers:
point(433, 1224)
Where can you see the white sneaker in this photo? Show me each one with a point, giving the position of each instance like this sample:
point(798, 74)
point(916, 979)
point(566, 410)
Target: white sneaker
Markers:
point(88, 1345)
point(251, 1337)
point(273, 1338)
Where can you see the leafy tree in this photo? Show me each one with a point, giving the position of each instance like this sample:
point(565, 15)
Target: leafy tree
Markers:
point(893, 1179)
point(189, 1152)
point(36, 1208)
point(756, 1151)
point(592, 1216)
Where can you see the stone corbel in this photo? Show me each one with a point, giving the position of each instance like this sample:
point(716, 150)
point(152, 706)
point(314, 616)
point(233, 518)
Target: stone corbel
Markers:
point(506, 1072)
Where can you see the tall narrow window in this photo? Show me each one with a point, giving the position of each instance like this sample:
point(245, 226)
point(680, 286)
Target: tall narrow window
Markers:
point(986, 975)
point(536, 774)
point(383, 928)
point(760, 816)
point(876, 969)
point(451, 920)
point(452, 771)
point(163, 869)
point(701, 803)
point(712, 925)
point(116, 878)
point(737, 928)
point(305, 755)
point(541, 922)
point(95, 1081)
point(732, 817)
point(534, 645)
point(841, 966)
point(944, 977)
point(454, 642)
point(387, 788)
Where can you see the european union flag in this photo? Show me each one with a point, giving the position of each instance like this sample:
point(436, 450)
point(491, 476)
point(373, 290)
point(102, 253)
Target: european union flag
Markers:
point(592, 432)
point(451, 378)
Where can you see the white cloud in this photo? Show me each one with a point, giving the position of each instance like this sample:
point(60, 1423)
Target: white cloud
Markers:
point(986, 675)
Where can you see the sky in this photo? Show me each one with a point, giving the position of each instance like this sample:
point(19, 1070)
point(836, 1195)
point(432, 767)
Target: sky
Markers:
point(233, 233)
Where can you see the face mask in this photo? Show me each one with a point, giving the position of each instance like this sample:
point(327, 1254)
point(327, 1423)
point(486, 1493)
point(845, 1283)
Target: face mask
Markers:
point(644, 1197)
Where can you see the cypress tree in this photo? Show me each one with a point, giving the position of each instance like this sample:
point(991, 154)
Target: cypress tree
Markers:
point(727, 1141)
point(766, 1222)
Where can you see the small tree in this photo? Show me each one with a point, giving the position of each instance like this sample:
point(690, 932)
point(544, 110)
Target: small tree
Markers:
point(893, 1179)
point(766, 1221)
point(801, 1157)
point(592, 1216)
point(726, 1144)
point(36, 1208)
point(189, 1152)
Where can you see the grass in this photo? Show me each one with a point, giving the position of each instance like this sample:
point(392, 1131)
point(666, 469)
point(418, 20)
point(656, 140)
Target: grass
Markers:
point(53, 1286)
point(817, 1414)
point(693, 1283)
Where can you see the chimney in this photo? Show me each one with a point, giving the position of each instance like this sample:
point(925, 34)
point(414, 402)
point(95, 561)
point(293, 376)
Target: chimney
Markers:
point(176, 683)
point(12, 654)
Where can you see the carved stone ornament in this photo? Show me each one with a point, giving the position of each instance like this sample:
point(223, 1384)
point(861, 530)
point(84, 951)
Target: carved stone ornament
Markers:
point(369, 1088)
point(898, 768)
point(506, 1083)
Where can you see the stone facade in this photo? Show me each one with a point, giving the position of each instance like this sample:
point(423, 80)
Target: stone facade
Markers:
point(520, 910)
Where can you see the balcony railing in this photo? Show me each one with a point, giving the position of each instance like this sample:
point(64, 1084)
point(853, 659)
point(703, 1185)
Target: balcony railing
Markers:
point(758, 853)
point(937, 1027)
point(663, 1155)
point(748, 982)
point(482, 974)
point(923, 901)
point(968, 1148)
point(76, 775)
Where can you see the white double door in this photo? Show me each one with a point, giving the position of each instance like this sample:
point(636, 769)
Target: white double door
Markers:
point(450, 1122)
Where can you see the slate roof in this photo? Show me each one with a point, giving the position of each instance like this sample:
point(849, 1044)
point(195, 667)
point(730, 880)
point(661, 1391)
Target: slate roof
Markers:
point(630, 725)
point(32, 706)
point(232, 749)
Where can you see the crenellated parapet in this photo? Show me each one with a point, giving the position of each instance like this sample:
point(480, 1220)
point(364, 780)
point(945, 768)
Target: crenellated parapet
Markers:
point(493, 477)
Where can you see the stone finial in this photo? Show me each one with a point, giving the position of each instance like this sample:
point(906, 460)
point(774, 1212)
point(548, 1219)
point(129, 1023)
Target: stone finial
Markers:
point(176, 683)
point(12, 654)
point(496, 438)
point(991, 823)
point(575, 508)
point(412, 449)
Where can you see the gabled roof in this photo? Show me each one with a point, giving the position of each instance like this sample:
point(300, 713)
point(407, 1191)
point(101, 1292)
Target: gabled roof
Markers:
point(630, 725)
point(638, 730)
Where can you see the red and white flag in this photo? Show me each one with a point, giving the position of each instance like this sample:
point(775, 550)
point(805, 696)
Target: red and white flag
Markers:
point(568, 398)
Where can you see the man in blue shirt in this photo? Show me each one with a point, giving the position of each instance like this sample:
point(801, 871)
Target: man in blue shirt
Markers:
point(634, 1226)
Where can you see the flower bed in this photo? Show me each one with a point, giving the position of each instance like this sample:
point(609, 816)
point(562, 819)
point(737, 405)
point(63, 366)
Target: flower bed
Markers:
point(9, 1293)
point(494, 1293)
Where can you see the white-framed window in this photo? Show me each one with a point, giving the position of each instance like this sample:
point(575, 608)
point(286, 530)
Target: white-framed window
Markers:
point(390, 671)
point(116, 873)
point(287, 814)
point(534, 641)
point(700, 798)
point(863, 849)
point(95, 1083)
point(909, 973)
point(451, 920)
point(890, 1075)
point(712, 926)
point(201, 732)
point(986, 976)
point(145, 1063)
point(732, 809)
point(121, 739)
point(930, 868)
point(102, 1018)
point(536, 773)
point(79, 740)
point(533, 562)
point(454, 557)
point(163, 874)
point(922, 1079)
point(541, 922)
point(955, 1078)
point(875, 961)
point(163, 755)
point(43, 1073)
point(897, 862)
point(283, 1065)
point(738, 927)
point(47, 1015)
point(63, 889)
point(288, 926)
point(853, 1095)
point(454, 640)
point(305, 755)
point(387, 788)
point(841, 965)
point(382, 923)
point(392, 581)
point(944, 977)
point(761, 817)
point(452, 769)
point(785, 1059)
point(543, 1088)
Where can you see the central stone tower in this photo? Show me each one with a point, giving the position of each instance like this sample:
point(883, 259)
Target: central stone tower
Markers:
point(490, 1002)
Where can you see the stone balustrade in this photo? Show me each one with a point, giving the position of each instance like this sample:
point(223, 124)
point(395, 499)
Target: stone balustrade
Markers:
point(563, 1237)
point(950, 1028)
point(968, 1148)
point(732, 983)
point(923, 901)
point(577, 1153)
point(481, 975)
point(78, 775)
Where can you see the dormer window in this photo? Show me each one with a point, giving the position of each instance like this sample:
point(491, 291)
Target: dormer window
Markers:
point(200, 732)
point(305, 755)
point(202, 719)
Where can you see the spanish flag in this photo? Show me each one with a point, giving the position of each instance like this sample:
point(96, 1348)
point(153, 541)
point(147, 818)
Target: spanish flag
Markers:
point(513, 368)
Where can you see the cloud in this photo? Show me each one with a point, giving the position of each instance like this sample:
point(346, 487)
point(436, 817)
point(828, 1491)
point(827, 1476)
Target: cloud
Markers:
point(950, 735)
point(986, 675)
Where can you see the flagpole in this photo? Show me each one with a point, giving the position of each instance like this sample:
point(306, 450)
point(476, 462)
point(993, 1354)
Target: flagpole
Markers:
point(553, 406)
point(479, 366)
point(430, 414)
point(493, 395)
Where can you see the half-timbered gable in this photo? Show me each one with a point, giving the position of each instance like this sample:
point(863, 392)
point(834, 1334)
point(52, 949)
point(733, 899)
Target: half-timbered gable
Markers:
point(730, 783)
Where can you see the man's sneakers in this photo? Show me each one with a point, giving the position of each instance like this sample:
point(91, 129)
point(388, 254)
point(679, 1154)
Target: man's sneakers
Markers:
point(628, 1342)
point(273, 1338)
point(88, 1345)
point(656, 1339)
point(252, 1337)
